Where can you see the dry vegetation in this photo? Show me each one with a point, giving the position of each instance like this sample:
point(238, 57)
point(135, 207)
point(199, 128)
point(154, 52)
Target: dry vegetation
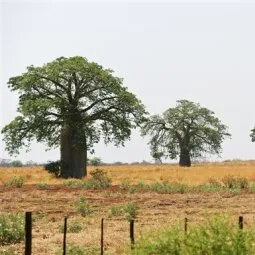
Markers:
point(156, 210)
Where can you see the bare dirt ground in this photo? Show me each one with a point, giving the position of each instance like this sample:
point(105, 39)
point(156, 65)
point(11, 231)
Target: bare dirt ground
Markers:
point(156, 210)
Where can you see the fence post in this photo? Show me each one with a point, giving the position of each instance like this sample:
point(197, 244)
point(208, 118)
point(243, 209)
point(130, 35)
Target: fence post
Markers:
point(28, 233)
point(102, 236)
point(64, 240)
point(241, 222)
point(185, 225)
point(132, 236)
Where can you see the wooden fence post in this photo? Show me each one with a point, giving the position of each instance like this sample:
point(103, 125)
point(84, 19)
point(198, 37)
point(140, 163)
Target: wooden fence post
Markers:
point(64, 240)
point(241, 222)
point(132, 236)
point(102, 236)
point(28, 233)
point(185, 225)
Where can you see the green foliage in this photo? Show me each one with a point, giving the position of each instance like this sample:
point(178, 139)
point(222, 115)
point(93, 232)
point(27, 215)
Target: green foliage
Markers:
point(141, 185)
point(83, 207)
point(117, 210)
point(15, 182)
point(132, 190)
point(71, 94)
point(9, 251)
point(16, 163)
point(54, 168)
point(72, 227)
point(216, 236)
point(11, 228)
point(74, 183)
point(96, 161)
point(43, 186)
point(125, 185)
point(99, 179)
point(78, 250)
point(187, 128)
point(130, 211)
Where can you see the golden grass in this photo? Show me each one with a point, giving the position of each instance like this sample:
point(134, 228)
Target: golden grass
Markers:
point(194, 175)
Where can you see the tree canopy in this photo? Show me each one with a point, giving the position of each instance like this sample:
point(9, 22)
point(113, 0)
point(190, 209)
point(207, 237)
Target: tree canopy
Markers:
point(71, 103)
point(185, 131)
point(252, 135)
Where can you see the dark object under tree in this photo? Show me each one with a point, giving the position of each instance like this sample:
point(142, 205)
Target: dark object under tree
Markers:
point(185, 131)
point(71, 103)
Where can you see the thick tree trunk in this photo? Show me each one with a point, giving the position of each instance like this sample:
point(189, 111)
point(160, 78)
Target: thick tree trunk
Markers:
point(73, 159)
point(185, 158)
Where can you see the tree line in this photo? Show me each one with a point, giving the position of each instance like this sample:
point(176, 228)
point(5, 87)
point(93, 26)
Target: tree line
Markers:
point(71, 104)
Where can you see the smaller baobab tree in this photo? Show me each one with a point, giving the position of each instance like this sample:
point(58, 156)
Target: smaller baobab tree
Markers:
point(185, 131)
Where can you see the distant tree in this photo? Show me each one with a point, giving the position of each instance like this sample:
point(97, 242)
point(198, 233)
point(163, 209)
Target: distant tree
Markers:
point(157, 156)
point(16, 163)
point(252, 135)
point(185, 131)
point(5, 162)
point(96, 161)
point(31, 163)
point(71, 103)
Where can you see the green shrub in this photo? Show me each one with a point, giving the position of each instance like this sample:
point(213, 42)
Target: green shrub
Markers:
point(217, 236)
point(53, 167)
point(99, 179)
point(78, 250)
point(209, 187)
point(42, 185)
point(74, 183)
point(72, 227)
point(9, 251)
point(117, 210)
point(15, 182)
point(11, 228)
point(125, 185)
point(132, 190)
point(130, 211)
point(83, 207)
point(141, 185)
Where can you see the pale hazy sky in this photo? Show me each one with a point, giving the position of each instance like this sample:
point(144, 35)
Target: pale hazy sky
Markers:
point(165, 51)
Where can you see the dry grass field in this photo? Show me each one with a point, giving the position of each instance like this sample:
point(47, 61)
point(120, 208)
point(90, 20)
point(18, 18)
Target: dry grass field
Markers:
point(156, 209)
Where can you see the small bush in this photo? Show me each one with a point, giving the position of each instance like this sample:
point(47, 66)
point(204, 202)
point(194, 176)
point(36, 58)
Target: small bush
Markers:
point(141, 185)
point(74, 183)
point(99, 179)
point(11, 228)
point(78, 250)
point(83, 207)
point(130, 211)
point(125, 185)
point(132, 190)
point(15, 182)
point(43, 186)
point(9, 251)
point(72, 227)
point(117, 210)
point(54, 167)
